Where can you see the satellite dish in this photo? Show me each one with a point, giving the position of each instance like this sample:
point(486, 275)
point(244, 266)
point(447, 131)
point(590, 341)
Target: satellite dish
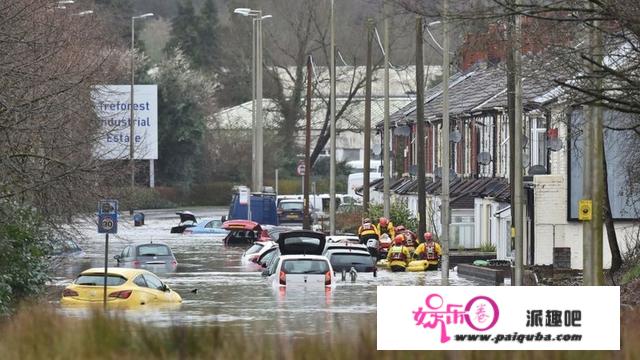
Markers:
point(484, 158)
point(455, 136)
point(377, 149)
point(537, 170)
point(555, 144)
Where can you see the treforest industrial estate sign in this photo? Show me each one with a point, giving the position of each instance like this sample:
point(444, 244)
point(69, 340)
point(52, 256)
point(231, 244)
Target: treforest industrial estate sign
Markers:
point(112, 104)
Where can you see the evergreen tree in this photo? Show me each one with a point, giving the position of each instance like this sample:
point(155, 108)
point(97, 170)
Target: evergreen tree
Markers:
point(206, 55)
point(195, 34)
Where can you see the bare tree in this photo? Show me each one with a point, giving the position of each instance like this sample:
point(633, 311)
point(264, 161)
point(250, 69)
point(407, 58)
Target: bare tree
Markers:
point(50, 61)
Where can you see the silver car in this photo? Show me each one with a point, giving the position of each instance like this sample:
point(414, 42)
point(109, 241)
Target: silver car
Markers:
point(151, 256)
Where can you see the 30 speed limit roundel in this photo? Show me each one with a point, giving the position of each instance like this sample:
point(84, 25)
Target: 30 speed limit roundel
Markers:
point(107, 223)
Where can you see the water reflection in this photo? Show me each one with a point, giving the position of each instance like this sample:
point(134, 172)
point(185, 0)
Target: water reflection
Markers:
point(217, 289)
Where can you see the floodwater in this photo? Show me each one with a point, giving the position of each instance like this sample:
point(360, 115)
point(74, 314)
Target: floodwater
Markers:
point(228, 292)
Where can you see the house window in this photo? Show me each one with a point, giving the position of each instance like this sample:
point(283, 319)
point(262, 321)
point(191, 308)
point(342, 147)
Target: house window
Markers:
point(538, 142)
point(461, 230)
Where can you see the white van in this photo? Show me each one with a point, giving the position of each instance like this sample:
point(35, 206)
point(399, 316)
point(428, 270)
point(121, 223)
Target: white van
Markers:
point(354, 181)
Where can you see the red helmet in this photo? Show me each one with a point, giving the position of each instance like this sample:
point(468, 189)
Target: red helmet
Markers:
point(383, 221)
point(399, 228)
point(428, 236)
point(398, 239)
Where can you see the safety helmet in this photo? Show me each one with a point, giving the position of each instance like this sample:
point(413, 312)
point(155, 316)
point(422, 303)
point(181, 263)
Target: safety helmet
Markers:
point(399, 228)
point(398, 239)
point(383, 221)
point(428, 236)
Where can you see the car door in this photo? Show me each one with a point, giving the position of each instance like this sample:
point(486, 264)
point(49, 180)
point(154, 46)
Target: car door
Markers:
point(156, 286)
point(123, 257)
point(209, 227)
point(146, 295)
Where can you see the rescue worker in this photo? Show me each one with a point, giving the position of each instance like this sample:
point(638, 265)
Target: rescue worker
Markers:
point(386, 227)
point(410, 238)
point(429, 250)
point(398, 256)
point(367, 231)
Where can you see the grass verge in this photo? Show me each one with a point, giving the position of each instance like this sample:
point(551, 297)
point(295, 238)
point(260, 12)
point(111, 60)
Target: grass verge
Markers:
point(38, 332)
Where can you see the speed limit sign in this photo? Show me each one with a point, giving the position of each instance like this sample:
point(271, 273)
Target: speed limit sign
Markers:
point(108, 224)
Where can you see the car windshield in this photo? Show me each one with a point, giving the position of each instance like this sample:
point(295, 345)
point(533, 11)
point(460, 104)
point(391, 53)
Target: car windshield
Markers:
point(254, 249)
point(153, 250)
point(288, 206)
point(98, 280)
point(339, 260)
point(305, 266)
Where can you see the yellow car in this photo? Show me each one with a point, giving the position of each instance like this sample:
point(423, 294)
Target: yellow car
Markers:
point(125, 287)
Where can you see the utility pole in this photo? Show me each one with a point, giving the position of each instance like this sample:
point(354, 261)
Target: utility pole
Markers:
point(597, 157)
point(259, 119)
point(254, 139)
point(307, 150)
point(422, 201)
point(367, 121)
point(386, 136)
point(511, 113)
point(446, 146)
point(132, 132)
point(587, 178)
point(332, 104)
point(517, 143)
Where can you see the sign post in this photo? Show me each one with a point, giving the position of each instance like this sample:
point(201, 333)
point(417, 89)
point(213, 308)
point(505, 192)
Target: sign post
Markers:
point(107, 224)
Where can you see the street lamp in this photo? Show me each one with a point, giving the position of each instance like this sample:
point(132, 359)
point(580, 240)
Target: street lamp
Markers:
point(257, 120)
point(132, 119)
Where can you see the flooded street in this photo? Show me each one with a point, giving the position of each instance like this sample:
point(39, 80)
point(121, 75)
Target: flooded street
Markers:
point(228, 292)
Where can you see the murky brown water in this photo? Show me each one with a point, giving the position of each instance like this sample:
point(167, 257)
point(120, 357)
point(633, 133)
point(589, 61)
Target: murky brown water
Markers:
point(230, 293)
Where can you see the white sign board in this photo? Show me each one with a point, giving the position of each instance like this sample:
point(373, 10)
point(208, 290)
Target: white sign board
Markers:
point(244, 195)
point(112, 104)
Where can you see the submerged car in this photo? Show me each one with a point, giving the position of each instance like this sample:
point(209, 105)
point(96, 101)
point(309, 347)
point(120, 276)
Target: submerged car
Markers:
point(258, 248)
point(187, 220)
point(300, 263)
point(155, 256)
point(64, 248)
point(344, 260)
point(125, 287)
point(206, 226)
point(244, 232)
point(344, 246)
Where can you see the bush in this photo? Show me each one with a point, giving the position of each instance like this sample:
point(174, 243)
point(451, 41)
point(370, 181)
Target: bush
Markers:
point(632, 274)
point(349, 221)
point(399, 213)
point(22, 256)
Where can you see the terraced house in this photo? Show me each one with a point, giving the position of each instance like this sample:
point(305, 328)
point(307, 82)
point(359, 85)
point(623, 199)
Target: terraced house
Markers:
point(480, 190)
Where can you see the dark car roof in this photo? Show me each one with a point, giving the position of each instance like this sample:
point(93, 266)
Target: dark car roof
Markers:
point(290, 244)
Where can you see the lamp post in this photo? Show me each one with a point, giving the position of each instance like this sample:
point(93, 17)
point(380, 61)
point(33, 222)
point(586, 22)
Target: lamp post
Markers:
point(333, 133)
point(132, 118)
point(258, 121)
